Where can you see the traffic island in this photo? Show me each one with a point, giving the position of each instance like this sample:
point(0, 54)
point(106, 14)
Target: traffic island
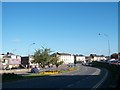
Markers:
point(8, 77)
point(52, 72)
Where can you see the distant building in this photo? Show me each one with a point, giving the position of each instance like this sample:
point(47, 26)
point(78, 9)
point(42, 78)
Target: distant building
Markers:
point(95, 57)
point(65, 57)
point(25, 61)
point(10, 60)
point(88, 59)
point(79, 58)
point(1, 61)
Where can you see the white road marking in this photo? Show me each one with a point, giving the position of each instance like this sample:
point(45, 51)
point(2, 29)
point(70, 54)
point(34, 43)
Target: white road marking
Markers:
point(70, 85)
point(101, 81)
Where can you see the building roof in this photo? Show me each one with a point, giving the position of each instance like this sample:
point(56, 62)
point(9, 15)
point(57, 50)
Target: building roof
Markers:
point(63, 53)
point(79, 55)
point(95, 55)
point(100, 56)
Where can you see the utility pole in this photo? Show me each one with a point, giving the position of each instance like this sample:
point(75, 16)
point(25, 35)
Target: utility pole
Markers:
point(29, 55)
point(108, 41)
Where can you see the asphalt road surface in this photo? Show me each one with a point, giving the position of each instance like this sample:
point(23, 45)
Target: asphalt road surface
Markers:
point(83, 77)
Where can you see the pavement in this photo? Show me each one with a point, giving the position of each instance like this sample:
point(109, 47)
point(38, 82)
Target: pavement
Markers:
point(14, 71)
point(83, 77)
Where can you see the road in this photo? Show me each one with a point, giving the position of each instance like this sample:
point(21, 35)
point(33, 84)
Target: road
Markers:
point(83, 77)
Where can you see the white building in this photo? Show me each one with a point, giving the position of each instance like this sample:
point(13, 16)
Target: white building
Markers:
point(79, 58)
point(31, 59)
point(66, 58)
point(98, 57)
point(10, 60)
point(1, 60)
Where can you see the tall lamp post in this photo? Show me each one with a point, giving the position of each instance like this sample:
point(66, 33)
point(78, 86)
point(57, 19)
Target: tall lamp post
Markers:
point(29, 47)
point(108, 43)
point(29, 56)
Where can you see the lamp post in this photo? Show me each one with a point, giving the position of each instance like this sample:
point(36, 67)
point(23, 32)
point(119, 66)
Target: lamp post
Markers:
point(108, 43)
point(30, 46)
point(29, 56)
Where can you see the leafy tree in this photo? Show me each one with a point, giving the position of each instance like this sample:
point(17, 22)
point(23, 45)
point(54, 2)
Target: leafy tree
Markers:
point(55, 60)
point(59, 63)
point(114, 55)
point(92, 55)
point(119, 55)
point(42, 56)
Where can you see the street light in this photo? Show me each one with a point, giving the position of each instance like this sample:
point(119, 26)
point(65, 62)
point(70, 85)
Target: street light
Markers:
point(29, 55)
point(108, 42)
point(30, 46)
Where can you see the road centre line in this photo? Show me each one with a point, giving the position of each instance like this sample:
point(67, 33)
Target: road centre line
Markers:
point(101, 81)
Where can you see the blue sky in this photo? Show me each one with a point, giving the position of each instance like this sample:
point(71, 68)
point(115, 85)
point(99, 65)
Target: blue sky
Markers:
point(1, 27)
point(64, 27)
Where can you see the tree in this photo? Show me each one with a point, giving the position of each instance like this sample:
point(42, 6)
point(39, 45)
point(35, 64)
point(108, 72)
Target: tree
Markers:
point(42, 56)
point(119, 55)
point(92, 55)
point(59, 63)
point(55, 60)
point(114, 55)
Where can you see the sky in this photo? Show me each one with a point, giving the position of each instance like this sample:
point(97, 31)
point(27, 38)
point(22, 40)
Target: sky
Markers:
point(69, 27)
point(0, 27)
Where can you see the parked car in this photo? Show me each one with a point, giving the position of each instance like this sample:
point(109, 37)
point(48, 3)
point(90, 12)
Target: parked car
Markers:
point(71, 65)
point(112, 61)
point(87, 64)
point(35, 70)
point(117, 62)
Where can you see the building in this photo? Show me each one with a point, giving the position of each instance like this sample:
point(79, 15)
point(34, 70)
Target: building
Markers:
point(79, 58)
point(1, 61)
point(95, 57)
point(65, 57)
point(88, 58)
point(10, 60)
point(25, 61)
